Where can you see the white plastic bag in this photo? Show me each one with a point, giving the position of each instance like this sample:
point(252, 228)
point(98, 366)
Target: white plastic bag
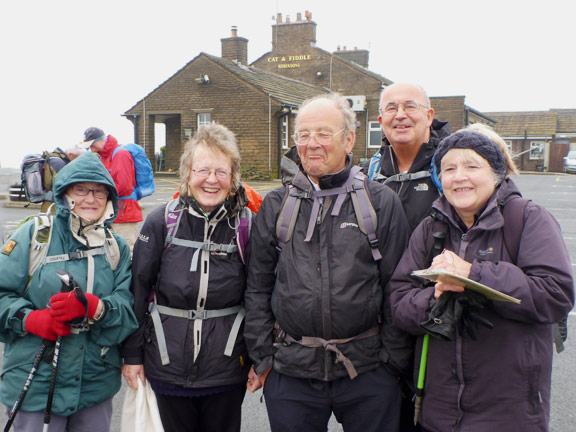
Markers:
point(140, 410)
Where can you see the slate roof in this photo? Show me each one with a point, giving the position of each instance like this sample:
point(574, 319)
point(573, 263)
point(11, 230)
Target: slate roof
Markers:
point(533, 123)
point(284, 90)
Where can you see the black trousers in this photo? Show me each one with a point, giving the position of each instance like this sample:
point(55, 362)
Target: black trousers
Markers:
point(220, 412)
point(368, 403)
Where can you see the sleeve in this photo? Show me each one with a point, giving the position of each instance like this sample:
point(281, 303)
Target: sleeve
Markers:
point(542, 278)
point(393, 232)
point(146, 260)
point(123, 172)
point(14, 261)
point(262, 259)
point(119, 320)
point(411, 297)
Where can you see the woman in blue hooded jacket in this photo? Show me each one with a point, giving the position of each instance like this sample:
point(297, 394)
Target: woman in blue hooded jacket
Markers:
point(33, 311)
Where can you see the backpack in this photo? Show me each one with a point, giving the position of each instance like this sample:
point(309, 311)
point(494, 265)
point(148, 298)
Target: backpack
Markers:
point(38, 171)
point(144, 175)
point(513, 213)
point(31, 178)
point(242, 228)
point(355, 185)
point(376, 163)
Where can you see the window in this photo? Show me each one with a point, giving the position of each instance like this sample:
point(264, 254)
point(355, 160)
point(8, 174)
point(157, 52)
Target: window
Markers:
point(536, 150)
point(285, 137)
point(509, 145)
point(374, 135)
point(203, 119)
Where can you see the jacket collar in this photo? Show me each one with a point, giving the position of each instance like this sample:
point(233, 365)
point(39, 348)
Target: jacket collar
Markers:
point(328, 181)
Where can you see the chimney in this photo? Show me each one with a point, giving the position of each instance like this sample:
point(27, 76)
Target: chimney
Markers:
point(358, 56)
point(290, 36)
point(235, 48)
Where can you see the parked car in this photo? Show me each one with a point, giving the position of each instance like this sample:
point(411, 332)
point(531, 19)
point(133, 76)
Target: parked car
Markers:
point(570, 162)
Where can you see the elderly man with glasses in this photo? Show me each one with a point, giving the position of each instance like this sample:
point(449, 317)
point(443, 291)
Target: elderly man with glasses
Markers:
point(411, 134)
point(318, 320)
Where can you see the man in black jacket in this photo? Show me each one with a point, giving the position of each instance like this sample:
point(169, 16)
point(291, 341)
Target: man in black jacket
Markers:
point(317, 305)
point(411, 135)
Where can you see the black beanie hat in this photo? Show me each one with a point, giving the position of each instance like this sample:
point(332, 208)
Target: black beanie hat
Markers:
point(478, 142)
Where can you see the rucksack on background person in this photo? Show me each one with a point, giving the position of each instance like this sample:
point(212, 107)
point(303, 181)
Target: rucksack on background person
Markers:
point(120, 164)
point(38, 171)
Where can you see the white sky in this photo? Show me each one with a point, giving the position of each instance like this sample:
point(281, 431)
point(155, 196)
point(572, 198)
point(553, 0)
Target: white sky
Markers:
point(66, 65)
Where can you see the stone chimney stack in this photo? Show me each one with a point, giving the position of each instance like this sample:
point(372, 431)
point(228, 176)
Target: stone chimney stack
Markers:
point(358, 56)
point(292, 36)
point(235, 48)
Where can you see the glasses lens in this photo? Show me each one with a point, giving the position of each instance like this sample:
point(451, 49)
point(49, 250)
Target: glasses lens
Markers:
point(101, 193)
point(202, 172)
point(81, 190)
point(222, 174)
point(411, 107)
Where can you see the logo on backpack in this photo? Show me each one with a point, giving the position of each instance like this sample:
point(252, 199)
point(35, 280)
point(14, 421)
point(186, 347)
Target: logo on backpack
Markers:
point(143, 171)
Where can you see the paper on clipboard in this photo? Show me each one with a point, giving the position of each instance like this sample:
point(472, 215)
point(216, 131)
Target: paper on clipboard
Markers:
point(454, 279)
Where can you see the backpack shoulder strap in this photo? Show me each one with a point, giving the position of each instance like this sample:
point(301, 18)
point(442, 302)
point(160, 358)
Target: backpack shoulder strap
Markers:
point(40, 242)
point(513, 213)
point(243, 228)
point(288, 214)
point(375, 166)
point(365, 213)
point(435, 242)
point(172, 219)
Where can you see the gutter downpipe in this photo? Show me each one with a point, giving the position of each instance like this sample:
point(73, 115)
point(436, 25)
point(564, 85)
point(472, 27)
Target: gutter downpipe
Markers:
point(280, 137)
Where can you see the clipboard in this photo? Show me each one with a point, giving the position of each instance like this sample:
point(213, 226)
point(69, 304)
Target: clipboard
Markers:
point(439, 275)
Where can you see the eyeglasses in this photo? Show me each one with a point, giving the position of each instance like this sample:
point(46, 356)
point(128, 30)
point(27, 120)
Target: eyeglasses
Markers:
point(205, 172)
point(84, 191)
point(410, 107)
point(322, 137)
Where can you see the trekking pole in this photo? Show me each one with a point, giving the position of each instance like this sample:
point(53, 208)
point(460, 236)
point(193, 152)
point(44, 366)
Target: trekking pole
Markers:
point(421, 378)
point(68, 284)
point(18, 403)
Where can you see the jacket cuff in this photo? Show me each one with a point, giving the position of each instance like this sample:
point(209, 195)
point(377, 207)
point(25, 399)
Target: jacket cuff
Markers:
point(264, 365)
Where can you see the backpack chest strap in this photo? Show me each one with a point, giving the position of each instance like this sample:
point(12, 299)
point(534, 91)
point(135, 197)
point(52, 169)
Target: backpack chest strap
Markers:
point(156, 310)
point(199, 246)
point(402, 177)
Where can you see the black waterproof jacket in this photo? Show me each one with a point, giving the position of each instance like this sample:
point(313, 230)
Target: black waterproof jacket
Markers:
point(416, 195)
point(501, 380)
point(166, 271)
point(329, 287)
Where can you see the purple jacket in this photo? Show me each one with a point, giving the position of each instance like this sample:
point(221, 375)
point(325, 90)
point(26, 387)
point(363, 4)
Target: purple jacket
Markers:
point(501, 381)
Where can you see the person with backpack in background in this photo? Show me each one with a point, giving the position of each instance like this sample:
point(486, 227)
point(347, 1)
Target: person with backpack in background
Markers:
point(189, 282)
point(318, 318)
point(488, 363)
point(34, 313)
point(120, 165)
point(55, 161)
point(410, 136)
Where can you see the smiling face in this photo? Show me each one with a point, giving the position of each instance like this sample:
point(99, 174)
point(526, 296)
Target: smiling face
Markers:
point(323, 115)
point(468, 182)
point(402, 129)
point(209, 192)
point(89, 206)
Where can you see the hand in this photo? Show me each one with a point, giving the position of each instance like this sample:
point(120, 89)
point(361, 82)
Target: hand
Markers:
point(451, 262)
point(132, 373)
point(43, 324)
point(66, 306)
point(256, 381)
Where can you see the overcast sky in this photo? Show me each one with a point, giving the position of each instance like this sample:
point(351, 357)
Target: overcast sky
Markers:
point(70, 64)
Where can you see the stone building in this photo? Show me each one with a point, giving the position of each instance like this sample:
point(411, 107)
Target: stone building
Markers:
point(258, 102)
point(539, 139)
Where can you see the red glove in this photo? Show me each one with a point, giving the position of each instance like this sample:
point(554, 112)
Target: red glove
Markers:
point(66, 306)
point(41, 323)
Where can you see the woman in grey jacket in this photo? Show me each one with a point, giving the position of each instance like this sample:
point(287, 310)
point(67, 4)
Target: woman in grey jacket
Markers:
point(478, 378)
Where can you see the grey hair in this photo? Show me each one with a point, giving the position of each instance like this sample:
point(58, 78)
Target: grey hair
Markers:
point(342, 103)
point(215, 137)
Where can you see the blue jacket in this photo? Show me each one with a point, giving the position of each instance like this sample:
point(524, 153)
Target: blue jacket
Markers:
point(90, 362)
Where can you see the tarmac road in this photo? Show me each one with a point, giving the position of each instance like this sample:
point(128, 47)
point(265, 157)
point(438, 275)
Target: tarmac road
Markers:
point(555, 192)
